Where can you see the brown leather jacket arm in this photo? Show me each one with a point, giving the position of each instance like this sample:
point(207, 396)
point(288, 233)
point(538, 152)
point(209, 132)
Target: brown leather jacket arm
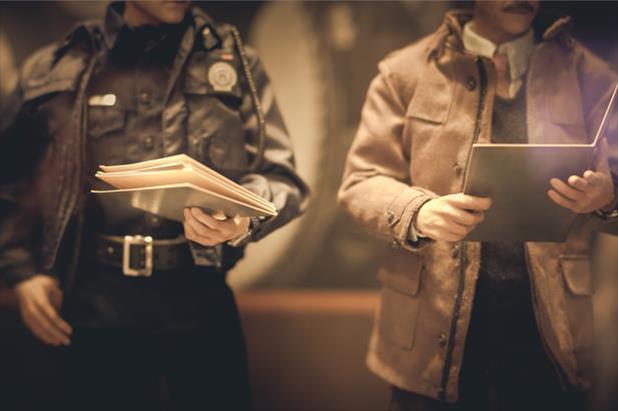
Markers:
point(376, 188)
point(20, 136)
point(276, 179)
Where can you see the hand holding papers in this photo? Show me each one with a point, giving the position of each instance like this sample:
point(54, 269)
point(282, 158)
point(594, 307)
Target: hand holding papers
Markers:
point(517, 176)
point(167, 185)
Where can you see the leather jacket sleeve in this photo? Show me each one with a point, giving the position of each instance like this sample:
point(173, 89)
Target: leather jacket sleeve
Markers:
point(276, 179)
point(22, 141)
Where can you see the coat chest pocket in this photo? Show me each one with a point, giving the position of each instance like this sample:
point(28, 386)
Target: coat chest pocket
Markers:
point(215, 129)
point(400, 300)
point(103, 120)
point(577, 274)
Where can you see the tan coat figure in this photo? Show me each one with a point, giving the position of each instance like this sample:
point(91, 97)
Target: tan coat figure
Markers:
point(423, 111)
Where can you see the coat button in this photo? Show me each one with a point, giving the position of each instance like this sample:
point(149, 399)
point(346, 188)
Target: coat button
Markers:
point(144, 97)
point(149, 142)
point(470, 83)
point(110, 250)
point(390, 216)
point(394, 245)
point(457, 169)
point(442, 339)
point(455, 251)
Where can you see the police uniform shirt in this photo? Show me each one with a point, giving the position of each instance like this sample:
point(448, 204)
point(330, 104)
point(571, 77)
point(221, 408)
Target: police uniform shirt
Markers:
point(125, 105)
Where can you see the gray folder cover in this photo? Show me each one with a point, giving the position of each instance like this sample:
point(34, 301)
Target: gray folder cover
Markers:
point(516, 177)
point(169, 201)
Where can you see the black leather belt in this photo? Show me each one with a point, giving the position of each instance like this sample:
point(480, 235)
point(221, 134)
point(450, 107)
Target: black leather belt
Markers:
point(139, 255)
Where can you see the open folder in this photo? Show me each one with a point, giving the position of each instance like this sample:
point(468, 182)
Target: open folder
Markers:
point(167, 185)
point(516, 177)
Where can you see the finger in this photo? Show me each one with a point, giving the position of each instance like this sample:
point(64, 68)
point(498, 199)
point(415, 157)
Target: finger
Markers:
point(205, 219)
point(468, 202)
point(203, 231)
point(29, 316)
point(455, 228)
point(453, 237)
point(465, 218)
point(52, 316)
point(205, 235)
point(568, 192)
point(579, 183)
point(228, 227)
point(562, 201)
point(219, 215)
point(593, 178)
point(55, 298)
point(190, 234)
point(41, 334)
point(46, 329)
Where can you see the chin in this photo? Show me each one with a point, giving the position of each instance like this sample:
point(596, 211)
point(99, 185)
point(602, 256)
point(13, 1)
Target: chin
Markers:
point(174, 12)
point(173, 19)
point(516, 24)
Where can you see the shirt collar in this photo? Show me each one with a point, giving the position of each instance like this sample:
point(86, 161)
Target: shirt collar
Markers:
point(113, 22)
point(517, 51)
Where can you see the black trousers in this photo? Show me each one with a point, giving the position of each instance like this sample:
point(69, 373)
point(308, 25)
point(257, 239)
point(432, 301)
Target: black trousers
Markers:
point(172, 341)
point(505, 366)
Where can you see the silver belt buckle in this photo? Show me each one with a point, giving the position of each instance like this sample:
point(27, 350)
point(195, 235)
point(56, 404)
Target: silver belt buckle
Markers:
point(137, 240)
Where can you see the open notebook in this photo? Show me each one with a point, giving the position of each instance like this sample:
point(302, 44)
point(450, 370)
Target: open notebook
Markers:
point(167, 185)
point(516, 177)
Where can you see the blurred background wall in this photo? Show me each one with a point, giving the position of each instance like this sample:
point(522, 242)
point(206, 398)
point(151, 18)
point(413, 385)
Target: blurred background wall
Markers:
point(307, 293)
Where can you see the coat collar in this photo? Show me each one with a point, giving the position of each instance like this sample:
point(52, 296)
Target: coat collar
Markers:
point(450, 33)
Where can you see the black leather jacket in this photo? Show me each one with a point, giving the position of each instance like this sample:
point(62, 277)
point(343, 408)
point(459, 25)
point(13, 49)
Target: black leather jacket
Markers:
point(43, 183)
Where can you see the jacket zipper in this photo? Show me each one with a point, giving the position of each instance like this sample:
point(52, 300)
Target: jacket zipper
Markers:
point(462, 256)
point(538, 322)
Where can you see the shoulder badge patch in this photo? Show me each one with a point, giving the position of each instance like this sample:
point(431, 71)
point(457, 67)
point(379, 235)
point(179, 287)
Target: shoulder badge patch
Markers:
point(222, 76)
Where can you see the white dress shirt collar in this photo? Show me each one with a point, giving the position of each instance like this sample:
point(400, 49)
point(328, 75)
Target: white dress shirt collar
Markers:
point(517, 51)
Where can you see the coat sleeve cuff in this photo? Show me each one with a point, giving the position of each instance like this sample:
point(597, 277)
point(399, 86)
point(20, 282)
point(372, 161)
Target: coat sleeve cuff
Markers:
point(18, 266)
point(400, 214)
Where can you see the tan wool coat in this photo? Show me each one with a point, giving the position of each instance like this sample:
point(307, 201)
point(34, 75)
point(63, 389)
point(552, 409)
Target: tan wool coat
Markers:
point(425, 108)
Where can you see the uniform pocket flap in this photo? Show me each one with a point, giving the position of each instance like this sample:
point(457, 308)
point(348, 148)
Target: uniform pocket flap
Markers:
point(577, 273)
point(103, 120)
point(402, 272)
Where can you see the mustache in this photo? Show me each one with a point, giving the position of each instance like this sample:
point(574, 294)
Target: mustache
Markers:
point(518, 6)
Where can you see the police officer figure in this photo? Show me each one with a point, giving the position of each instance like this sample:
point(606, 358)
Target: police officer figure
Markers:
point(154, 79)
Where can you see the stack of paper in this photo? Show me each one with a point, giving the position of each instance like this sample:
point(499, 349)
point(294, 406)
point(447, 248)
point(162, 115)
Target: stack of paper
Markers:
point(166, 186)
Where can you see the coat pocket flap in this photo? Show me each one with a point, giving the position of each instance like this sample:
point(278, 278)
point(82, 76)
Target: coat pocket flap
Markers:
point(402, 272)
point(577, 272)
point(432, 98)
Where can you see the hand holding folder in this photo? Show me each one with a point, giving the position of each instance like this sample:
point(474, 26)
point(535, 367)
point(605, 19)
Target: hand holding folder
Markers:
point(517, 178)
point(166, 186)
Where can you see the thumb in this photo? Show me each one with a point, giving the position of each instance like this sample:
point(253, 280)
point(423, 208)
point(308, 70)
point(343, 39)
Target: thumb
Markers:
point(55, 295)
point(219, 215)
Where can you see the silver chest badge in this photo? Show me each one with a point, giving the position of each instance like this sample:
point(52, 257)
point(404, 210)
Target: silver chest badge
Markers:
point(102, 100)
point(222, 76)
